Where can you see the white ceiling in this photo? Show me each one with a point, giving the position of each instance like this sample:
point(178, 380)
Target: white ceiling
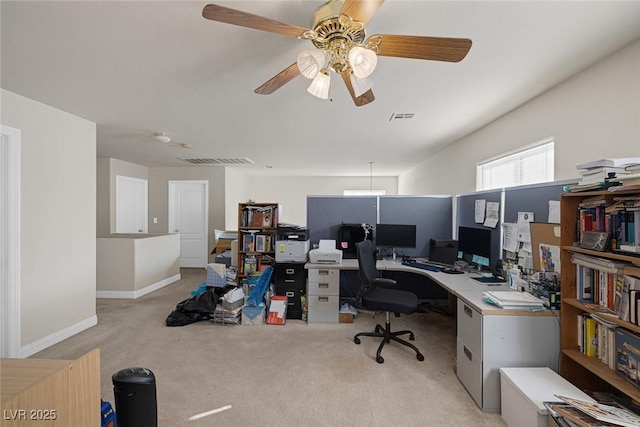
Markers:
point(136, 68)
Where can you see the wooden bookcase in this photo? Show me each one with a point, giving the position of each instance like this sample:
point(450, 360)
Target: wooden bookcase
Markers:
point(587, 373)
point(257, 229)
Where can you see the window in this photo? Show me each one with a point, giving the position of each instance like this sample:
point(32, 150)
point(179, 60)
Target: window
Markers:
point(529, 166)
point(363, 192)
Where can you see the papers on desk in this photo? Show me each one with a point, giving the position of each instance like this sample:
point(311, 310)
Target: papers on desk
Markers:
point(513, 300)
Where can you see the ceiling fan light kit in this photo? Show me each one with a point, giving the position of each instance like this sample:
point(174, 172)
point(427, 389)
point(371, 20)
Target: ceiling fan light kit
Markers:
point(162, 137)
point(338, 33)
point(310, 62)
point(319, 87)
point(360, 86)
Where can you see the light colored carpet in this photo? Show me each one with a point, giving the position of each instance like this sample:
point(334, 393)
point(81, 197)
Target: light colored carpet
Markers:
point(291, 375)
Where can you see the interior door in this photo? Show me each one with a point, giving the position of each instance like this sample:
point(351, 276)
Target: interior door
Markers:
point(131, 205)
point(188, 215)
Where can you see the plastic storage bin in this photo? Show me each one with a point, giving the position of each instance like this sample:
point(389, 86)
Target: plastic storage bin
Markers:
point(134, 390)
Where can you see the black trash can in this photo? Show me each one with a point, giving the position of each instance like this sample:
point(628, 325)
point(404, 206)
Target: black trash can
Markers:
point(134, 390)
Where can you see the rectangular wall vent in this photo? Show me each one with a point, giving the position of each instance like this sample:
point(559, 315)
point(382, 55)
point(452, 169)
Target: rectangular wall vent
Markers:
point(395, 116)
point(220, 161)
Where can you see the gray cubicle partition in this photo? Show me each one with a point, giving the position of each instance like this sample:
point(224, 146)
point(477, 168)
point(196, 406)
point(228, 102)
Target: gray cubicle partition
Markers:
point(465, 217)
point(532, 198)
point(432, 215)
point(325, 214)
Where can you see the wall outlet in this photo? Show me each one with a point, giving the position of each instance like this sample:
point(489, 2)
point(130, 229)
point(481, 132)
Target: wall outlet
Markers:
point(155, 220)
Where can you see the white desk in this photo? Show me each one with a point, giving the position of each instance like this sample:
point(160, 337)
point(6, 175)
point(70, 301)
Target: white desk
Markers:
point(488, 337)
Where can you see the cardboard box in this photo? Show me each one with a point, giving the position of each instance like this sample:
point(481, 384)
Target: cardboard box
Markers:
point(224, 240)
point(523, 391)
point(346, 318)
point(252, 315)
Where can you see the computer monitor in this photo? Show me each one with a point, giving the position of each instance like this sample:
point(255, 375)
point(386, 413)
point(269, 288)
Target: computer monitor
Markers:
point(475, 245)
point(443, 250)
point(395, 236)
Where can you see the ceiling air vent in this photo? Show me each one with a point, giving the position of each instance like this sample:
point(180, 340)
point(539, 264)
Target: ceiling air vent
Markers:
point(396, 116)
point(220, 161)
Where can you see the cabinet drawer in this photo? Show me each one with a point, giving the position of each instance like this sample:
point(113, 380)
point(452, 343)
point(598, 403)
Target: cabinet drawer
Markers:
point(323, 309)
point(290, 273)
point(323, 288)
point(470, 328)
point(294, 300)
point(469, 369)
point(326, 275)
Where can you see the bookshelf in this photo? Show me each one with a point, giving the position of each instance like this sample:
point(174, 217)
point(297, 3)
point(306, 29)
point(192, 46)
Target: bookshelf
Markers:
point(257, 227)
point(588, 372)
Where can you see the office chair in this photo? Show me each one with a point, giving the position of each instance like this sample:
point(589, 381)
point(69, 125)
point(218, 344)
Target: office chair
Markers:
point(375, 294)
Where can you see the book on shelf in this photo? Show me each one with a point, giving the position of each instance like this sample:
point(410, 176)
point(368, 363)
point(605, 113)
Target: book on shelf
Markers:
point(249, 264)
point(591, 186)
point(625, 187)
point(602, 177)
point(599, 309)
point(627, 355)
point(597, 263)
point(634, 249)
point(605, 170)
point(610, 162)
point(590, 336)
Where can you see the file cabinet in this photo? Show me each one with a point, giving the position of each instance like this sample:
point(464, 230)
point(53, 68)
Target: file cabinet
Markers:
point(490, 338)
point(323, 295)
point(290, 281)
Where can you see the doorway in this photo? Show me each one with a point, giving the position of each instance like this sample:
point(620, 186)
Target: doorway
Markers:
point(10, 325)
point(189, 216)
point(131, 205)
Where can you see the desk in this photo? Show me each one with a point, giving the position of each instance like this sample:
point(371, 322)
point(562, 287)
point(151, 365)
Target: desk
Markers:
point(488, 337)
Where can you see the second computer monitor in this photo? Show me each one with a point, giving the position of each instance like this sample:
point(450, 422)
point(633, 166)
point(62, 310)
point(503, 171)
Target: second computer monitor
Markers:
point(396, 235)
point(475, 244)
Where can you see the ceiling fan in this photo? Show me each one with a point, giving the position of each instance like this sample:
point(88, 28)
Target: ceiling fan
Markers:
point(338, 34)
point(164, 138)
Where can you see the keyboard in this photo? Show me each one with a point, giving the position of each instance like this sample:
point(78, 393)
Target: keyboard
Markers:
point(423, 265)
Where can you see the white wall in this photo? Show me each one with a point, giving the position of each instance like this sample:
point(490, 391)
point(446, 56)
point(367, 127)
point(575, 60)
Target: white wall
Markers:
point(291, 192)
point(58, 221)
point(593, 115)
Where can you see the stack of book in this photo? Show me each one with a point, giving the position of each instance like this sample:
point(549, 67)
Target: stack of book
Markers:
point(603, 173)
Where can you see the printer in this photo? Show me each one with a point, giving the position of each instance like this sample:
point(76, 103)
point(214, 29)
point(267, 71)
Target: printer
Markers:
point(292, 250)
point(326, 253)
point(292, 244)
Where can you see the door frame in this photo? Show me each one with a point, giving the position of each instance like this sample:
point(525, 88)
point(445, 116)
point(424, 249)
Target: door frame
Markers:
point(10, 201)
point(171, 226)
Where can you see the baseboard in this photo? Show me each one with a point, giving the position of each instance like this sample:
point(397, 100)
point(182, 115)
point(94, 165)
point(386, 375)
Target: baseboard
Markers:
point(56, 337)
point(140, 292)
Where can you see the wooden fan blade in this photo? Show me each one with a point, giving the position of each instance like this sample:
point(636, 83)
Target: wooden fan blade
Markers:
point(244, 19)
point(361, 10)
point(418, 47)
point(361, 100)
point(279, 80)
